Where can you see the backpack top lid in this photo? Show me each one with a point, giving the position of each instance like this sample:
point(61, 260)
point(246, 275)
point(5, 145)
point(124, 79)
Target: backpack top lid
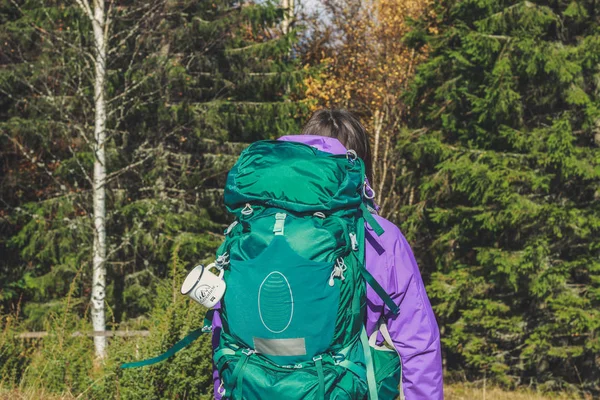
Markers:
point(295, 177)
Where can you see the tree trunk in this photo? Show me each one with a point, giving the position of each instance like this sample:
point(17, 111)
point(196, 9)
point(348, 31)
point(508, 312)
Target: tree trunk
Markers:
point(288, 16)
point(99, 180)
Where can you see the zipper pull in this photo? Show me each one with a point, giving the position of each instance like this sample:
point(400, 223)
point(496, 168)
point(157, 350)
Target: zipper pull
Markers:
point(338, 271)
point(342, 268)
point(331, 281)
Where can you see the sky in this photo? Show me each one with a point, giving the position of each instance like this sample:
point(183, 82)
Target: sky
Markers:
point(310, 4)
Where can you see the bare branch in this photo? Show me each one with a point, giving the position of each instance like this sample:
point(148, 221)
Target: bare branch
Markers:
point(85, 6)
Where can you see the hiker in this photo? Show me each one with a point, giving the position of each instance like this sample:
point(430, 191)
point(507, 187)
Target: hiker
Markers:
point(388, 258)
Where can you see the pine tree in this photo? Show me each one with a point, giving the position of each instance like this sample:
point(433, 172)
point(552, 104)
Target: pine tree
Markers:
point(227, 78)
point(184, 96)
point(504, 148)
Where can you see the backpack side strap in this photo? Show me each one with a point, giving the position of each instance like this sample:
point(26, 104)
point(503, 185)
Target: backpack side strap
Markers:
point(371, 381)
point(360, 256)
point(183, 343)
point(371, 220)
point(383, 295)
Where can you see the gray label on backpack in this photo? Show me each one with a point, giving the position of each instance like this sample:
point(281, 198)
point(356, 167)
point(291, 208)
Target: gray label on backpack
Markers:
point(280, 347)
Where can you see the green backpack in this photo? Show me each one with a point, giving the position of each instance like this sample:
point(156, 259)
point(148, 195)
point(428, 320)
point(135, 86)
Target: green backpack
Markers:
point(294, 309)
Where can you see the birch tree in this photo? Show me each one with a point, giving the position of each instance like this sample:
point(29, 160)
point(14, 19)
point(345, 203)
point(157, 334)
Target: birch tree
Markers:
point(59, 128)
point(100, 24)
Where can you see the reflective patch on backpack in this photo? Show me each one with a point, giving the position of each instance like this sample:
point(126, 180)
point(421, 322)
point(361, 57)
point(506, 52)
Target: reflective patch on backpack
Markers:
point(280, 347)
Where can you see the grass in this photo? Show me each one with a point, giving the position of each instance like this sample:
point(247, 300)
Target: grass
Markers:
point(452, 392)
point(469, 392)
point(15, 394)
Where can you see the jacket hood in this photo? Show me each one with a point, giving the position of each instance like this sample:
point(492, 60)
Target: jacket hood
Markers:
point(323, 143)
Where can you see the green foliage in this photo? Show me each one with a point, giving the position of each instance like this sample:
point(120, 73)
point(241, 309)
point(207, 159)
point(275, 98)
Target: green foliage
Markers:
point(15, 356)
point(189, 83)
point(506, 160)
point(63, 361)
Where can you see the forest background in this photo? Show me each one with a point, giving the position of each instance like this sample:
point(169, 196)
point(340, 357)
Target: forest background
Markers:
point(120, 119)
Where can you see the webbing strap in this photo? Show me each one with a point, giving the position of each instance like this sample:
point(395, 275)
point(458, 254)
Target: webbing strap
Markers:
point(356, 369)
point(221, 353)
point(186, 341)
point(371, 220)
point(319, 364)
point(371, 382)
point(237, 378)
point(380, 291)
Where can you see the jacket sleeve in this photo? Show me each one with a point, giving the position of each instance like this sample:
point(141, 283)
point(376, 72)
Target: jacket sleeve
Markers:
point(414, 330)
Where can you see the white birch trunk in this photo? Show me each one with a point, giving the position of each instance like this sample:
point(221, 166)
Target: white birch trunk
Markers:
point(289, 6)
point(99, 180)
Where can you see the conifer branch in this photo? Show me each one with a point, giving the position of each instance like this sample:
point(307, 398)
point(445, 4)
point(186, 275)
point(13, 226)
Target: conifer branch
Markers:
point(35, 162)
point(110, 177)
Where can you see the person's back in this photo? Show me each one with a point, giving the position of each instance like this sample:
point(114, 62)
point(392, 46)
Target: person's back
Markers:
point(388, 258)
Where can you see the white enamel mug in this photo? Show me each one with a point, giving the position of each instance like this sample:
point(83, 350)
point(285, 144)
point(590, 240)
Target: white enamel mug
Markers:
point(203, 286)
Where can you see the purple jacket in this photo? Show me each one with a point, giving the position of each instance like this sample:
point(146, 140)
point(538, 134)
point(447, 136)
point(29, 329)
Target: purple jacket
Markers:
point(414, 330)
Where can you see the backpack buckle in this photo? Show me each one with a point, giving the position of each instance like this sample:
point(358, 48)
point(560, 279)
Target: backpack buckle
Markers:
point(338, 358)
point(279, 223)
point(248, 352)
point(317, 358)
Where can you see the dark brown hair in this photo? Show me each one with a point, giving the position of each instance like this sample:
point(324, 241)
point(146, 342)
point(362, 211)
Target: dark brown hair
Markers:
point(346, 128)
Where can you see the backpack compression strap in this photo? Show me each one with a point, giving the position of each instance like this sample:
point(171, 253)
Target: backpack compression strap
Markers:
point(371, 381)
point(380, 291)
point(371, 220)
point(361, 260)
point(183, 343)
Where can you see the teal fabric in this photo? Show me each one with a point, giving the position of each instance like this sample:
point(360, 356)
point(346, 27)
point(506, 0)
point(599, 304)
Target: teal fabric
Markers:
point(280, 295)
point(328, 182)
point(237, 378)
point(344, 376)
point(266, 380)
point(317, 239)
point(388, 373)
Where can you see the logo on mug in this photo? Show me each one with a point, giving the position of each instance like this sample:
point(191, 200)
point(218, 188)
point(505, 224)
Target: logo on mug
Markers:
point(205, 291)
